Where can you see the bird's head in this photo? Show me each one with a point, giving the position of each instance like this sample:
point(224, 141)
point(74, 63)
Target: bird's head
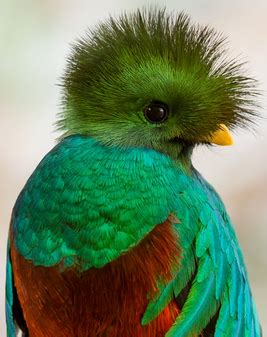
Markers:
point(153, 80)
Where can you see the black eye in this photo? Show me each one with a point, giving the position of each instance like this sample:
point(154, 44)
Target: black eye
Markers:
point(156, 112)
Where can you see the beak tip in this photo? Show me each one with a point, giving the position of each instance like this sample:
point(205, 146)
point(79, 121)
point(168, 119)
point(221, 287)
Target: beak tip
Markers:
point(222, 136)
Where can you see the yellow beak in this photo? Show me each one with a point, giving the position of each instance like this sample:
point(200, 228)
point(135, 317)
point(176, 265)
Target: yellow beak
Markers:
point(221, 137)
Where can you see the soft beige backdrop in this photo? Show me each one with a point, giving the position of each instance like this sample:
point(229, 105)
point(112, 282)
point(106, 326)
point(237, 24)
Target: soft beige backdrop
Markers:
point(34, 42)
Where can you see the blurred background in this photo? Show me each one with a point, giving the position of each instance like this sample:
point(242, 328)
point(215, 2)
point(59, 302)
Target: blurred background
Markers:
point(35, 40)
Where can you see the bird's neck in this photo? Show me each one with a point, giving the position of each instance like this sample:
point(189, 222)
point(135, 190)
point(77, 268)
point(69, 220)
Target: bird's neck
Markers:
point(184, 160)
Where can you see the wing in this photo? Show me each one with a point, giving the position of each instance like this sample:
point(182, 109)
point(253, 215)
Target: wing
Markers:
point(212, 269)
point(16, 326)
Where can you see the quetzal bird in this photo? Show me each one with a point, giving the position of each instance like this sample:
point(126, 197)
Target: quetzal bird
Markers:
point(115, 233)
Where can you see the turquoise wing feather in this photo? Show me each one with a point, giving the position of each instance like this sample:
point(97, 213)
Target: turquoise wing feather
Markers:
point(213, 257)
point(10, 323)
point(14, 316)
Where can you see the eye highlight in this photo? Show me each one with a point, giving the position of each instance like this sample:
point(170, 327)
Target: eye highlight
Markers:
point(156, 112)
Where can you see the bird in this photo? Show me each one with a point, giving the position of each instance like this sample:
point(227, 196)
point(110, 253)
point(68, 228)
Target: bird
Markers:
point(116, 233)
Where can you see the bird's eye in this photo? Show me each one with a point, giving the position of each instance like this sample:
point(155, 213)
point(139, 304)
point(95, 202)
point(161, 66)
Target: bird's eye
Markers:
point(156, 112)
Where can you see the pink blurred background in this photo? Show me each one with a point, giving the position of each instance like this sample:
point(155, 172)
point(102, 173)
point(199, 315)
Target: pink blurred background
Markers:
point(34, 42)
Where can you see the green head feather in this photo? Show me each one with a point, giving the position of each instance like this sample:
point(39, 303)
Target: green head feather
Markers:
point(149, 57)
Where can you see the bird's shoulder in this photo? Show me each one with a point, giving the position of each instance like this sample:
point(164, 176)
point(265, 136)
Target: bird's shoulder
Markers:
point(93, 202)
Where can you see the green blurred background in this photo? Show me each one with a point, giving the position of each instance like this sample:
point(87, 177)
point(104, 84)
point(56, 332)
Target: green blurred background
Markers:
point(35, 39)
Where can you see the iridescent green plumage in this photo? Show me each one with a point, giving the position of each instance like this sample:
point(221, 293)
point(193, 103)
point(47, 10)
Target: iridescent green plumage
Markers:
point(92, 199)
point(86, 204)
point(114, 175)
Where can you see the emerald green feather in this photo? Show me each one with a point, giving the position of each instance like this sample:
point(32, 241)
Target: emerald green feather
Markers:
point(221, 275)
point(173, 289)
point(11, 327)
point(205, 265)
point(187, 268)
point(200, 306)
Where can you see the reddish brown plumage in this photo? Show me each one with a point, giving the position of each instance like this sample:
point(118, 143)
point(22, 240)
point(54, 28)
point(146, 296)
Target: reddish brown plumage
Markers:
point(100, 302)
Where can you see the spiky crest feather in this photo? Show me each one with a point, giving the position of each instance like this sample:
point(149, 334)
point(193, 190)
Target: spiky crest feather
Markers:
point(124, 63)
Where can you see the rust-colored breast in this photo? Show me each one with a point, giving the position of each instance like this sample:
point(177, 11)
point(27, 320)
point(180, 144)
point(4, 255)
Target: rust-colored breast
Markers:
point(107, 302)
